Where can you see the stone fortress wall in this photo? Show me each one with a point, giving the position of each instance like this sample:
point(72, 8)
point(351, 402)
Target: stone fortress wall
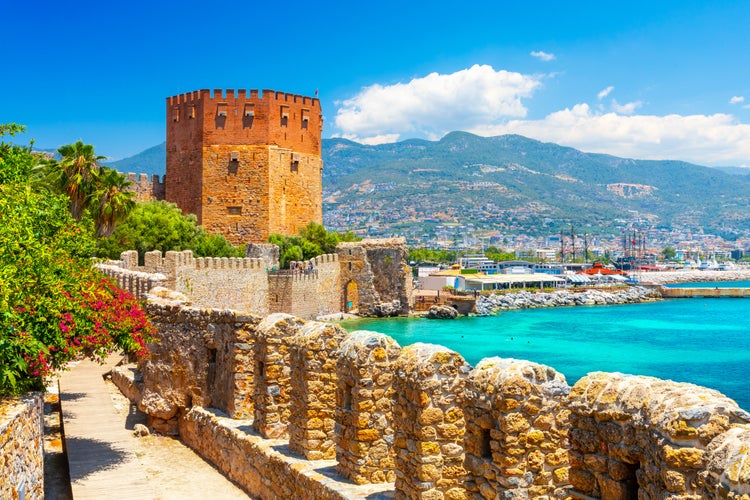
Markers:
point(256, 285)
point(22, 447)
point(290, 408)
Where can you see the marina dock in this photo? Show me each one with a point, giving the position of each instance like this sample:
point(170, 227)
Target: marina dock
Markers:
point(684, 293)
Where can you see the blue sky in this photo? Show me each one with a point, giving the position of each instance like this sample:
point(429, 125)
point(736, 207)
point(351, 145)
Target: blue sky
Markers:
point(656, 79)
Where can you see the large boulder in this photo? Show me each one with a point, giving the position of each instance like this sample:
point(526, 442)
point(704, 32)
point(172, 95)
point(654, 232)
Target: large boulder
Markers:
point(442, 312)
point(387, 309)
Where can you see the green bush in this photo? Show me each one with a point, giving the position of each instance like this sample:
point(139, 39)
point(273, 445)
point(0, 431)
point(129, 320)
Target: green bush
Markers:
point(313, 240)
point(159, 225)
point(54, 306)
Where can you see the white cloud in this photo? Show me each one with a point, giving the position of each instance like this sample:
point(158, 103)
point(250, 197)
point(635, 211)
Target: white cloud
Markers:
point(713, 140)
point(435, 104)
point(626, 109)
point(371, 141)
point(737, 99)
point(543, 56)
point(491, 102)
point(604, 93)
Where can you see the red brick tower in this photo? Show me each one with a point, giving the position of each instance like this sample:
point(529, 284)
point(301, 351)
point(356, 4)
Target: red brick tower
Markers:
point(245, 165)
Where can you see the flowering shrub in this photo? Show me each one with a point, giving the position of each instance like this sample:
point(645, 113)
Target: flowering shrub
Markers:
point(54, 307)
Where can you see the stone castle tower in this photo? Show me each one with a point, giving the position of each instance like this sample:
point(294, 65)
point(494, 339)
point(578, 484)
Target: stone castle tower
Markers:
point(247, 165)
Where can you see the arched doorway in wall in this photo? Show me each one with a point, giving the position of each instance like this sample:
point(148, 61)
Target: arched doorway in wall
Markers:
point(351, 297)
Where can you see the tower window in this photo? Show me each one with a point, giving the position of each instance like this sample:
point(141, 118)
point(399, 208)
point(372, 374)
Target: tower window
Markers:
point(284, 116)
point(234, 210)
point(176, 114)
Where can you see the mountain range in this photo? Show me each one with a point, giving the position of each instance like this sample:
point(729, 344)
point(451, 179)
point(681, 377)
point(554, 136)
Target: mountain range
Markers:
point(513, 183)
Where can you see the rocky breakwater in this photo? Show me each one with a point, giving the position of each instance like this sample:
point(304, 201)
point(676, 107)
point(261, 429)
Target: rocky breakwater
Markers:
point(488, 305)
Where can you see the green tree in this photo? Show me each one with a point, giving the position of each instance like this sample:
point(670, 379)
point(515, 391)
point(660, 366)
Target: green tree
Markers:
point(159, 225)
point(669, 253)
point(74, 175)
point(111, 200)
point(313, 240)
point(431, 255)
point(498, 255)
point(216, 245)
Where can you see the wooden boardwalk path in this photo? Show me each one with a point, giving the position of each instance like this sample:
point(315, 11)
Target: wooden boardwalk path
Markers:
point(107, 461)
point(101, 462)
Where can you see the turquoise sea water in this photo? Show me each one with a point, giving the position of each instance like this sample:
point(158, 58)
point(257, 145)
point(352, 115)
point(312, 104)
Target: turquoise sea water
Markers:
point(703, 341)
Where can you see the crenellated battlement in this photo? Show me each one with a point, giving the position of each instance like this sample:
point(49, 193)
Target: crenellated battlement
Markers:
point(308, 289)
point(328, 258)
point(209, 263)
point(242, 95)
point(147, 189)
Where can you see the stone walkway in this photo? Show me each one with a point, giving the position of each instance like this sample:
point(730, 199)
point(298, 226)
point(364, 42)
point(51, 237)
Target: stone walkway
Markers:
point(105, 458)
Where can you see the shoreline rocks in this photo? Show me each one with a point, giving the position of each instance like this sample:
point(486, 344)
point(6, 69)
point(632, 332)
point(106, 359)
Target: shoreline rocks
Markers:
point(488, 305)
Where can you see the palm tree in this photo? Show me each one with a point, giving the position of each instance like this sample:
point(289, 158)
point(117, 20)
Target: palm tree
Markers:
point(74, 174)
point(110, 201)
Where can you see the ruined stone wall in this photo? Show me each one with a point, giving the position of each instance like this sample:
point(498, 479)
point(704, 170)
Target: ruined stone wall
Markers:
point(378, 268)
point(307, 292)
point(388, 259)
point(265, 251)
point(421, 417)
point(358, 291)
point(21, 447)
point(202, 358)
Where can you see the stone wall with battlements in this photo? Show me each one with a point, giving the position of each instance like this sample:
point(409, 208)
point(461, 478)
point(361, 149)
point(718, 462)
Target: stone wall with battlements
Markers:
point(22, 447)
point(318, 287)
point(136, 282)
point(145, 188)
point(243, 284)
point(419, 422)
point(312, 290)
